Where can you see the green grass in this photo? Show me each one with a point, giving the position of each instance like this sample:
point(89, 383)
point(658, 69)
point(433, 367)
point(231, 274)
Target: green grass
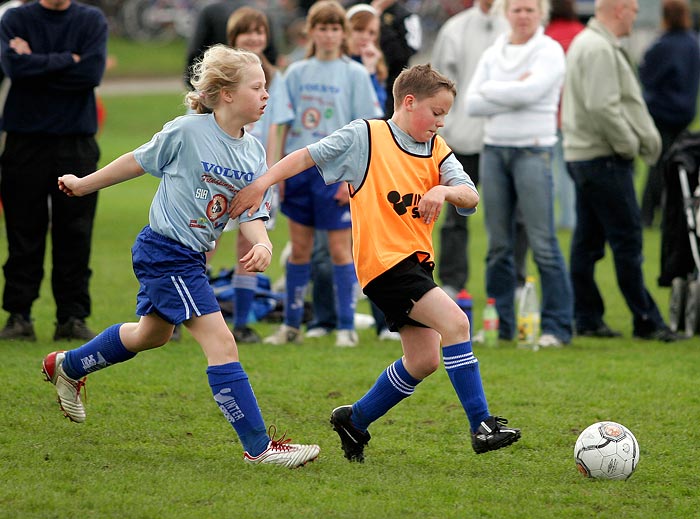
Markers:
point(136, 59)
point(155, 444)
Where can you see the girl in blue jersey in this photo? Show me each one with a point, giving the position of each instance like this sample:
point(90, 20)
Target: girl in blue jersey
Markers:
point(203, 160)
point(327, 90)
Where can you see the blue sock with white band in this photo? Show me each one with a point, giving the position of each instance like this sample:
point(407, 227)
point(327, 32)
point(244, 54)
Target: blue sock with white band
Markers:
point(345, 281)
point(463, 369)
point(232, 391)
point(98, 353)
point(244, 294)
point(298, 277)
point(392, 386)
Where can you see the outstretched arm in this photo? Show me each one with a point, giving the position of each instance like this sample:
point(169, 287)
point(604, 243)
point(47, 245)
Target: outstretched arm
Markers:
point(119, 170)
point(250, 197)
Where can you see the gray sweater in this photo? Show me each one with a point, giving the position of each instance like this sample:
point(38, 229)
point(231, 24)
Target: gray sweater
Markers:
point(603, 111)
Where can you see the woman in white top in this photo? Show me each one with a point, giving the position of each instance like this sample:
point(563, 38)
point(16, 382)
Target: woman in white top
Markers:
point(516, 87)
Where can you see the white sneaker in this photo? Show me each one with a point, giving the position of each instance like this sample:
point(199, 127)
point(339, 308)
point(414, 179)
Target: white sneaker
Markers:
point(478, 337)
point(547, 340)
point(387, 335)
point(317, 332)
point(68, 389)
point(346, 338)
point(363, 321)
point(284, 335)
point(281, 452)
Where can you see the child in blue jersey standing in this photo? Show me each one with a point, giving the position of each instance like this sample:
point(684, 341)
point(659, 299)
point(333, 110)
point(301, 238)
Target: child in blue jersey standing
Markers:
point(326, 90)
point(203, 160)
point(401, 173)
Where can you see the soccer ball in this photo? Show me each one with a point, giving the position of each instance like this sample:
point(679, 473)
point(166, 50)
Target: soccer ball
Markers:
point(606, 450)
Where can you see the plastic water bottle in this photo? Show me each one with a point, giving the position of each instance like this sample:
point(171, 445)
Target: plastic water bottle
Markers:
point(464, 301)
point(490, 322)
point(529, 316)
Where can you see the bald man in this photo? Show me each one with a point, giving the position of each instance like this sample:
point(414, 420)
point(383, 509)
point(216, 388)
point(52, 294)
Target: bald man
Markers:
point(606, 124)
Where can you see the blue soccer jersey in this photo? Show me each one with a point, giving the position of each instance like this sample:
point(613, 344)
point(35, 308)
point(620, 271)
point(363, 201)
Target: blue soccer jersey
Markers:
point(324, 96)
point(201, 169)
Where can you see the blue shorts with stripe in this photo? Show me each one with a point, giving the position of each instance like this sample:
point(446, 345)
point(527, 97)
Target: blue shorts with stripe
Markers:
point(173, 279)
point(309, 201)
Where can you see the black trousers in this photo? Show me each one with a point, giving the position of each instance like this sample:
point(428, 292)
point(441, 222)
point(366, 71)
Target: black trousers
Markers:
point(33, 204)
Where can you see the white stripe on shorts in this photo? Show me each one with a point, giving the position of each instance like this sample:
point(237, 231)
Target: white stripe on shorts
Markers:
point(185, 296)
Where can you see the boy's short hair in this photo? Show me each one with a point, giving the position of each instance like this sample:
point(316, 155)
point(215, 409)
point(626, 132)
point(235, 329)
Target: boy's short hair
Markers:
point(420, 81)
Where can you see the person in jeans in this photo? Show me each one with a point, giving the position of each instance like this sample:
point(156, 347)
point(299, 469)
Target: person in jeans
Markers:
point(55, 53)
point(606, 124)
point(516, 86)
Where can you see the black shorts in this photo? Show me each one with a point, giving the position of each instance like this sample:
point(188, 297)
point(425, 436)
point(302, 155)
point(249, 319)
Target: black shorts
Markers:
point(396, 290)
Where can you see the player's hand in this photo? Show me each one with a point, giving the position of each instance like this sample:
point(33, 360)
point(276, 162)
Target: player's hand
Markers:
point(20, 46)
point(431, 204)
point(342, 195)
point(247, 199)
point(70, 185)
point(258, 258)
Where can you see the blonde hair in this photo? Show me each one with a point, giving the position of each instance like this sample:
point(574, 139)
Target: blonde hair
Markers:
point(326, 12)
point(220, 67)
point(420, 81)
point(501, 6)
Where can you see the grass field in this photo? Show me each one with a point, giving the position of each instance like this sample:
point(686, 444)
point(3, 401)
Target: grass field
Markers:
point(155, 444)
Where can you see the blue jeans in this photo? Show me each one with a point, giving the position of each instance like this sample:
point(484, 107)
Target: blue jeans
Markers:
point(323, 293)
point(521, 178)
point(607, 210)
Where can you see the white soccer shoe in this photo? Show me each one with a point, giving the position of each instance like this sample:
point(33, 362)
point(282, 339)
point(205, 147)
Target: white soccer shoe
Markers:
point(68, 389)
point(282, 452)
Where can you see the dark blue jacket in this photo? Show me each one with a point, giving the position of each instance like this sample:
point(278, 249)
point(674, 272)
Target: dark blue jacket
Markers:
point(50, 93)
point(670, 75)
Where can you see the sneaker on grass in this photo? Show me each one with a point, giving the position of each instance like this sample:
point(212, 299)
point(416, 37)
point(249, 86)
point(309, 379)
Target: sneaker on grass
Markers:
point(346, 338)
point(493, 434)
point(284, 335)
point(282, 452)
point(352, 440)
point(68, 390)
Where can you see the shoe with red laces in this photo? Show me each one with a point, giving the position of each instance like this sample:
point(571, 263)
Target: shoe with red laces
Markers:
point(282, 452)
point(67, 388)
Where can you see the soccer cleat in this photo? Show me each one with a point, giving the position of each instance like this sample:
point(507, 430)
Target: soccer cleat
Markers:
point(352, 440)
point(387, 335)
point(492, 435)
point(284, 335)
point(73, 328)
point(282, 452)
point(68, 389)
point(245, 335)
point(18, 328)
point(346, 338)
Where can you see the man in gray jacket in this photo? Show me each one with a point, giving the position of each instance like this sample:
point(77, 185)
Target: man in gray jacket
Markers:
point(606, 125)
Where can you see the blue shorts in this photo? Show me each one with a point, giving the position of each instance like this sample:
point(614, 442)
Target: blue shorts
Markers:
point(309, 201)
point(173, 279)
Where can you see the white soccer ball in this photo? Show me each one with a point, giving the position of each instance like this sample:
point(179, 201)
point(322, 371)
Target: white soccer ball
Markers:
point(606, 450)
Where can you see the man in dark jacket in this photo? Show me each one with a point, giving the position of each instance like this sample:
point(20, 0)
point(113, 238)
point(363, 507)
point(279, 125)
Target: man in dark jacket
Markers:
point(54, 51)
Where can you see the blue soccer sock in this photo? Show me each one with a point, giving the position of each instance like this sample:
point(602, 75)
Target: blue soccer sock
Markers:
point(232, 391)
point(463, 369)
point(244, 288)
point(298, 277)
point(344, 282)
point(392, 386)
point(102, 351)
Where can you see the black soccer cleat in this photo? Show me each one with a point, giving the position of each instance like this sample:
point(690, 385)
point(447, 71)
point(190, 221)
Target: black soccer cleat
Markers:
point(492, 435)
point(353, 440)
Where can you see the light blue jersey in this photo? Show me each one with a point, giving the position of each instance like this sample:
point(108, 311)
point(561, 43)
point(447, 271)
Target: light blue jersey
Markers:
point(324, 95)
point(201, 169)
point(344, 156)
